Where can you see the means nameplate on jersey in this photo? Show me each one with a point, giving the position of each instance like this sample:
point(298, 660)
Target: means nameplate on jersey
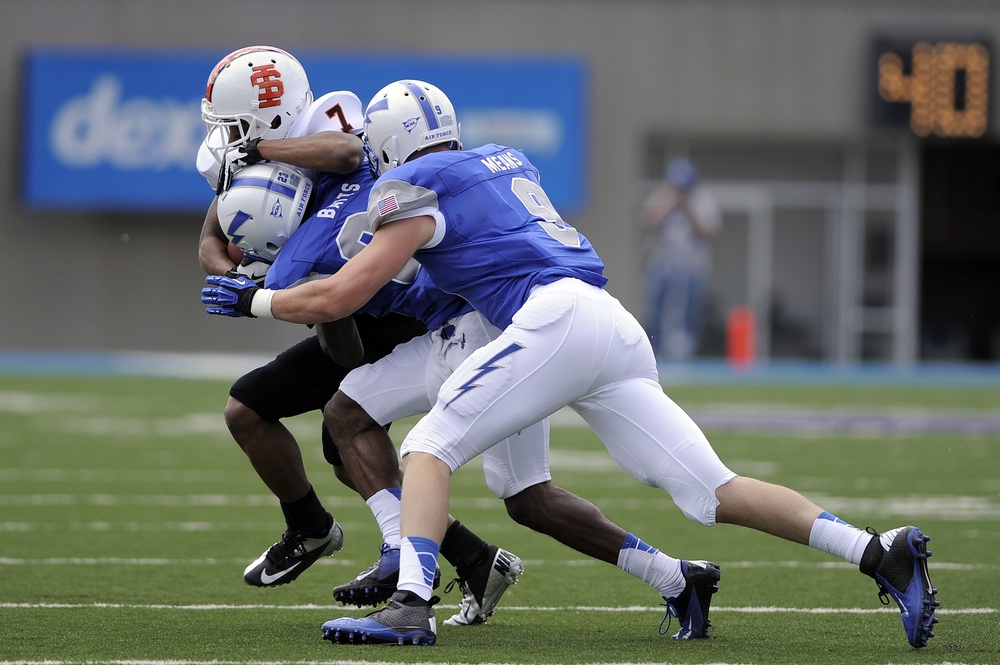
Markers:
point(504, 162)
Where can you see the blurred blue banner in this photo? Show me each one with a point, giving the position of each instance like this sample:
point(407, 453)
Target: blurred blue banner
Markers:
point(119, 129)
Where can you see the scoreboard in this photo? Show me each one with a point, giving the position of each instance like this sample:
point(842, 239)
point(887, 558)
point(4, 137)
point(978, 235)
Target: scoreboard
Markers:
point(936, 87)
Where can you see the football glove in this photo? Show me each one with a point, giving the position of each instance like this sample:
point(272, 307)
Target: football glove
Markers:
point(236, 159)
point(229, 296)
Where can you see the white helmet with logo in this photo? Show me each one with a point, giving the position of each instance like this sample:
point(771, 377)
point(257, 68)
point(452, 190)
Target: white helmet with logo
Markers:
point(254, 92)
point(263, 207)
point(404, 117)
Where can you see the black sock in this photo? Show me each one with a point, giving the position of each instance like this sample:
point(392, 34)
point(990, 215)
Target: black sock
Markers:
point(408, 598)
point(871, 557)
point(462, 548)
point(307, 514)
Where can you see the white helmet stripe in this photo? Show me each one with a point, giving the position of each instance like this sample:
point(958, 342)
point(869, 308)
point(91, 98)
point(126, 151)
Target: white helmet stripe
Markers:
point(264, 183)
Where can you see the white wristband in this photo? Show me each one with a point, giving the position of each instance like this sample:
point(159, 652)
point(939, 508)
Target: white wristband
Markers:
point(260, 306)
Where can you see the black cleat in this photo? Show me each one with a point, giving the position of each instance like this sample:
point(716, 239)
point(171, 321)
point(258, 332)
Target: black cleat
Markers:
point(289, 557)
point(691, 606)
point(897, 559)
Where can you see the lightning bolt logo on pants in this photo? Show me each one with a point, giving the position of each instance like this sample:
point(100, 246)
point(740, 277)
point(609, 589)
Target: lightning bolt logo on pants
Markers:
point(484, 369)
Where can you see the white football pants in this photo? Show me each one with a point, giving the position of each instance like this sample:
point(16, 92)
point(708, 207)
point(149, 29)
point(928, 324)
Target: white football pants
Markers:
point(574, 344)
point(406, 383)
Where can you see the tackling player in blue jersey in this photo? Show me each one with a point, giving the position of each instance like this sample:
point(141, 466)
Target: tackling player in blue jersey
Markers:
point(405, 382)
point(248, 123)
point(482, 227)
point(335, 231)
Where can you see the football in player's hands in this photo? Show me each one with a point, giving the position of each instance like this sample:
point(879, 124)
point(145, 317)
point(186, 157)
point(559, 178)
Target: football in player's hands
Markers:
point(235, 253)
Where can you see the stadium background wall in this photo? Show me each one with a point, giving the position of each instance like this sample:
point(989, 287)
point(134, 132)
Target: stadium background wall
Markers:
point(729, 82)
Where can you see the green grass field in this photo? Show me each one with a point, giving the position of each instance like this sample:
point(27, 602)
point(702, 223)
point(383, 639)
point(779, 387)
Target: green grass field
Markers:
point(127, 515)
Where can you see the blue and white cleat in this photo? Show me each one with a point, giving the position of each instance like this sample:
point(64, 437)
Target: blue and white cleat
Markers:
point(690, 608)
point(897, 560)
point(377, 582)
point(397, 623)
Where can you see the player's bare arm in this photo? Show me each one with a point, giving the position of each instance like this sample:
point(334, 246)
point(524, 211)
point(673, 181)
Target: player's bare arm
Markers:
point(343, 293)
point(326, 152)
point(213, 245)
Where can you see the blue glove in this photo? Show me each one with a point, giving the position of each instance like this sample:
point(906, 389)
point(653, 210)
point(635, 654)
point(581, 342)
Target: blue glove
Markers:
point(229, 296)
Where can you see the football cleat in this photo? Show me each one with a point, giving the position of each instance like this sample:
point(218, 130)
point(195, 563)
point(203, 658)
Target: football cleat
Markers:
point(690, 608)
point(482, 589)
point(409, 623)
point(376, 583)
point(897, 560)
point(289, 557)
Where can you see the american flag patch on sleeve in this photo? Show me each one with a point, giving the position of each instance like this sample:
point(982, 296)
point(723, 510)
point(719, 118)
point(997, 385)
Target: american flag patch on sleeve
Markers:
point(387, 205)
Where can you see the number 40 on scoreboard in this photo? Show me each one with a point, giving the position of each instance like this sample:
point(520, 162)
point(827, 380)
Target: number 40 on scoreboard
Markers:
point(936, 87)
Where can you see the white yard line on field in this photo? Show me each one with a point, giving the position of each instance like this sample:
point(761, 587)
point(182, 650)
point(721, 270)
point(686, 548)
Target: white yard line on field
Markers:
point(507, 608)
point(950, 507)
point(285, 662)
point(122, 561)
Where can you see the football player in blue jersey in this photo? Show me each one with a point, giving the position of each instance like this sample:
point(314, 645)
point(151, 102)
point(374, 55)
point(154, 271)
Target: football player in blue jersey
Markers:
point(336, 230)
point(320, 137)
point(405, 383)
point(303, 378)
point(483, 228)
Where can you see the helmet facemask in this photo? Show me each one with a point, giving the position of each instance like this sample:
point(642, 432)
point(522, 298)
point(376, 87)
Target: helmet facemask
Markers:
point(226, 134)
point(379, 160)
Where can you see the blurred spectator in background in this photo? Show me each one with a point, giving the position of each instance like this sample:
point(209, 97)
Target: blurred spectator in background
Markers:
point(677, 218)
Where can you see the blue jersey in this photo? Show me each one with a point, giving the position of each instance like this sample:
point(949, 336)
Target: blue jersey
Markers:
point(336, 230)
point(498, 234)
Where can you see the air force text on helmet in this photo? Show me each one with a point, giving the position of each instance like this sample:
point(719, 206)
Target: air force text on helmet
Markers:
point(300, 209)
point(439, 134)
point(293, 180)
point(503, 162)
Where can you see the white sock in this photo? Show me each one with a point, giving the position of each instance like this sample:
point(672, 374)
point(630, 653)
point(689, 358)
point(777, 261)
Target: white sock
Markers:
point(385, 505)
point(837, 537)
point(652, 566)
point(417, 565)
